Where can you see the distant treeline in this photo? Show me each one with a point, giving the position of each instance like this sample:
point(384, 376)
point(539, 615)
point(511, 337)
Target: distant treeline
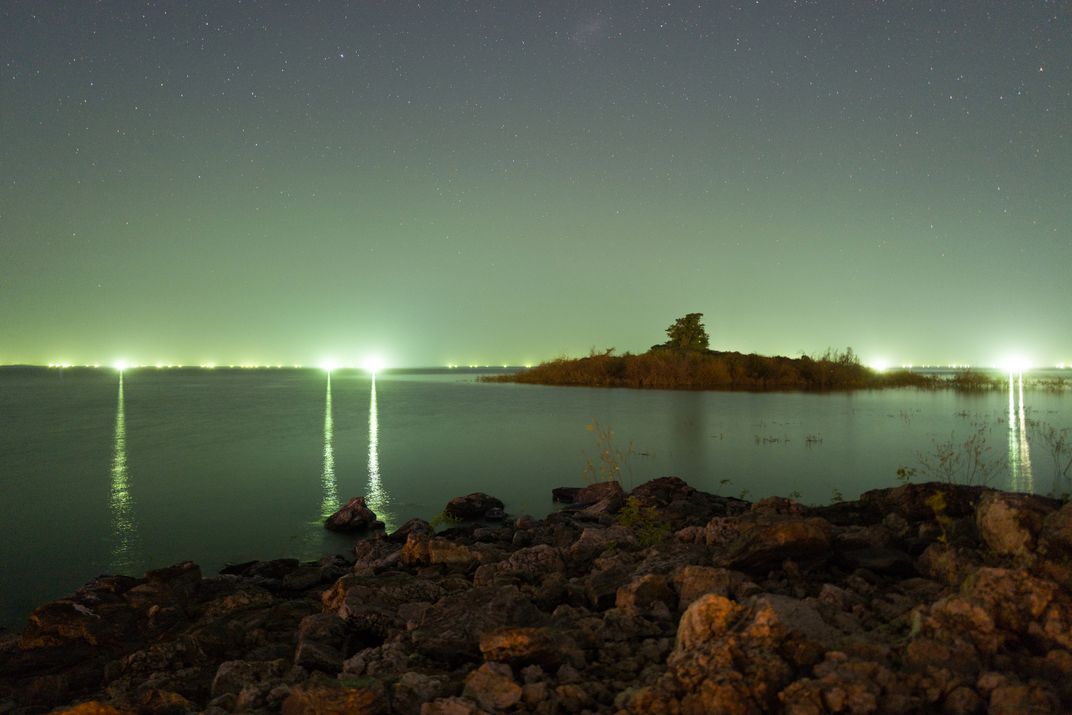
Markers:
point(672, 369)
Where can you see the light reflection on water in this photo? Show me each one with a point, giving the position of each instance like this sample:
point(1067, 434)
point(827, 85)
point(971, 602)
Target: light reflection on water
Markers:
point(121, 505)
point(329, 484)
point(376, 496)
point(1020, 477)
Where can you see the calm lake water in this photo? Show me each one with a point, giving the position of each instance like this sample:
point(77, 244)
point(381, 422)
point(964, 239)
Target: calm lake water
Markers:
point(102, 475)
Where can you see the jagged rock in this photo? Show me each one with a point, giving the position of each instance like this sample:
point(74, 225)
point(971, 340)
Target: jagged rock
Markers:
point(353, 516)
point(1056, 538)
point(325, 696)
point(232, 676)
point(321, 641)
point(372, 605)
point(451, 706)
point(471, 506)
point(947, 564)
point(522, 646)
point(412, 526)
point(414, 689)
point(611, 492)
point(878, 560)
point(1010, 523)
point(761, 545)
point(693, 581)
point(911, 500)
point(492, 686)
point(565, 495)
point(450, 631)
point(644, 595)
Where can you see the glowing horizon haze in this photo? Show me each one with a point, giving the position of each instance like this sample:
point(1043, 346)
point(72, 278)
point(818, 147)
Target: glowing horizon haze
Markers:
point(490, 183)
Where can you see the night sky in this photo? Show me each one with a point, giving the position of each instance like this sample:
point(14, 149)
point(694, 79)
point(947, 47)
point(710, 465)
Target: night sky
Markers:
point(503, 182)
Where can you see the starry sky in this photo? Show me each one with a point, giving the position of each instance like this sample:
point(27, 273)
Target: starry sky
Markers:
point(504, 182)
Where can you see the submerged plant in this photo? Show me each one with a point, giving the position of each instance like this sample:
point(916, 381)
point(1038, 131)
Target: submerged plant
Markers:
point(1059, 444)
point(612, 461)
point(968, 462)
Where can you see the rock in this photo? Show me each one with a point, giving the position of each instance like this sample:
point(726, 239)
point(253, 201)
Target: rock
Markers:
point(353, 516)
point(878, 560)
point(910, 500)
point(600, 491)
point(414, 689)
point(1010, 523)
point(321, 641)
point(522, 646)
point(492, 686)
point(412, 526)
point(1056, 539)
point(644, 595)
point(947, 564)
point(450, 631)
point(372, 606)
point(471, 506)
point(693, 581)
point(232, 676)
point(761, 546)
point(451, 706)
point(93, 707)
point(708, 617)
point(495, 514)
point(565, 495)
point(326, 696)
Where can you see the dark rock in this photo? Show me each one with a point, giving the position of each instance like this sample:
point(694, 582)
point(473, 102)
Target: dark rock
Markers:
point(598, 492)
point(495, 514)
point(910, 500)
point(492, 686)
point(353, 516)
point(471, 506)
point(762, 545)
point(523, 646)
point(565, 495)
point(450, 631)
point(412, 526)
point(327, 696)
point(878, 560)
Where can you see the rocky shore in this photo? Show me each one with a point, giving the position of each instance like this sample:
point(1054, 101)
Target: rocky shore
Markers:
point(922, 598)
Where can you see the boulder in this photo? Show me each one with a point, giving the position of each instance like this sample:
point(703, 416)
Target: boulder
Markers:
point(471, 506)
point(522, 646)
point(565, 495)
point(412, 526)
point(451, 628)
point(910, 500)
point(1010, 524)
point(766, 544)
point(611, 492)
point(645, 595)
point(327, 696)
point(354, 516)
point(492, 686)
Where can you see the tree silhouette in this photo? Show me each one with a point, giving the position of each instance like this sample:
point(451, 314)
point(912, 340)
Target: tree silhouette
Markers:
point(688, 333)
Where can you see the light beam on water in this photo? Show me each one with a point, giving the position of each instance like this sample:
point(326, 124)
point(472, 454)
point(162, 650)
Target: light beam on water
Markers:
point(1020, 474)
point(121, 505)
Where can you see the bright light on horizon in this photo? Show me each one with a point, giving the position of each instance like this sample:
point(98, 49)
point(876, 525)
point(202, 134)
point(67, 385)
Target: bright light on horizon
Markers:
point(328, 365)
point(1015, 363)
point(121, 365)
point(373, 364)
point(880, 365)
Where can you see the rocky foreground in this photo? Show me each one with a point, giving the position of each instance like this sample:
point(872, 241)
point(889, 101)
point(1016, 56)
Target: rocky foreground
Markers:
point(923, 598)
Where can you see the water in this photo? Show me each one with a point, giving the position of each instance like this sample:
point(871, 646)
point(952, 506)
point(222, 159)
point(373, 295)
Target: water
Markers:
point(101, 475)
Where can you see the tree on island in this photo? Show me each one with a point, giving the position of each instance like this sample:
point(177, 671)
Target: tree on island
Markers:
point(687, 333)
